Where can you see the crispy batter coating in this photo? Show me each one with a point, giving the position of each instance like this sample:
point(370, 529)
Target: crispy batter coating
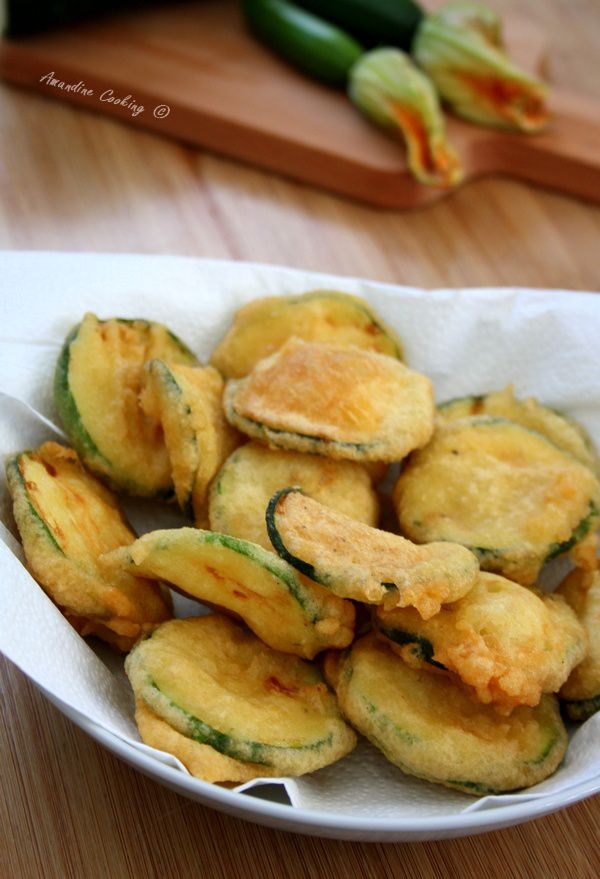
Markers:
point(186, 402)
point(97, 384)
point(217, 684)
point(363, 563)
point(501, 489)
point(339, 402)
point(290, 614)
point(262, 326)
point(66, 519)
point(581, 692)
point(253, 473)
point(509, 643)
point(429, 726)
point(200, 760)
point(564, 432)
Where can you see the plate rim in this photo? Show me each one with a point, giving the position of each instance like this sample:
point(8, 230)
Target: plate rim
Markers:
point(320, 823)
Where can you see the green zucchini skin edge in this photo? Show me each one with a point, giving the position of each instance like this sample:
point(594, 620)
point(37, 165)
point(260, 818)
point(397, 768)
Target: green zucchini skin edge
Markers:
point(270, 435)
point(71, 419)
point(275, 537)
point(67, 407)
point(556, 549)
point(16, 483)
point(373, 22)
point(245, 751)
point(423, 645)
point(255, 553)
point(310, 43)
point(579, 710)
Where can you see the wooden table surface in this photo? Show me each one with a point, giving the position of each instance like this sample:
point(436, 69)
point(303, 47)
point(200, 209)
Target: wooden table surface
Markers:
point(70, 180)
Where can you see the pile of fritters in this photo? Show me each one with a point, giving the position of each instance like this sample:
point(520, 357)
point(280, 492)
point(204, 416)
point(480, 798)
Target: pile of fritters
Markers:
point(275, 452)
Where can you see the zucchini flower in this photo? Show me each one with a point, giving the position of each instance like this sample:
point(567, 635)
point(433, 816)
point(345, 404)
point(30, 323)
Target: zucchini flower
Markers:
point(460, 48)
point(391, 91)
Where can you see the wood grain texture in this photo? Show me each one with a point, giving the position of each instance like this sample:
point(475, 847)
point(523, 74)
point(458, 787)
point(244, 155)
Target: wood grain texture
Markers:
point(70, 180)
point(223, 90)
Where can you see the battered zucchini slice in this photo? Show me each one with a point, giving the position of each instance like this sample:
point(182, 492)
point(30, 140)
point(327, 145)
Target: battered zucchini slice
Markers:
point(186, 402)
point(288, 613)
point(564, 432)
point(253, 473)
point(580, 695)
point(430, 727)
point(334, 401)
point(502, 490)
point(509, 643)
point(359, 562)
point(96, 388)
point(215, 683)
point(66, 519)
point(199, 759)
point(262, 326)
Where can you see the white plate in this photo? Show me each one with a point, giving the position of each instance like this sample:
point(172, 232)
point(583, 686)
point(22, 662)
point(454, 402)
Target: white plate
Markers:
point(467, 341)
point(326, 824)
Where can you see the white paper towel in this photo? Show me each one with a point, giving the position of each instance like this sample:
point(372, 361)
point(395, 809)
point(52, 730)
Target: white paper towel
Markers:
point(545, 342)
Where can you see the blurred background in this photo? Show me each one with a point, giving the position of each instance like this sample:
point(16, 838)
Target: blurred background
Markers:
point(73, 179)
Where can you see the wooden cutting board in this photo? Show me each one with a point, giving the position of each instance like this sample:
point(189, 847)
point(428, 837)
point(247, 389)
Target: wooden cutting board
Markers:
point(200, 77)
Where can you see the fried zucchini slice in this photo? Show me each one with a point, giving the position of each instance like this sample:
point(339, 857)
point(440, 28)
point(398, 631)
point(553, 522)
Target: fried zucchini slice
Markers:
point(333, 401)
point(186, 401)
point(262, 326)
point(97, 383)
point(507, 642)
point(430, 727)
point(359, 562)
point(500, 489)
point(239, 577)
point(67, 519)
point(253, 473)
point(580, 695)
point(217, 684)
point(200, 760)
point(564, 432)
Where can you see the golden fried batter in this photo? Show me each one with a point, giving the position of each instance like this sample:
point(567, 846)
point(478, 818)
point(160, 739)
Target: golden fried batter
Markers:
point(66, 519)
point(363, 563)
point(509, 643)
point(336, 401)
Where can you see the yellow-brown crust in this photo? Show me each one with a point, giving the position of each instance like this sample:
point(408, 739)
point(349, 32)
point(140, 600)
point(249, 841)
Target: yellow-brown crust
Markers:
point(66, 519)
point(368, 565)
point(581, 590)
point(186, 402)
point(263, 325)
point(509, 643)
point(337, 401)
point(499, 488)
point(248, 479)
point(200, 760)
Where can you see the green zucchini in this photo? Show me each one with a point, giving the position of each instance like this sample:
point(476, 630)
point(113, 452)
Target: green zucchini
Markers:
point(67, 518)
point(247, 480)
point(373, 22)
point(96, 385)
point(507, 642)
point(306, 41)
point(286, 612)
point(430, 727)
point(502, 489)
point(186, 401)
point(263, 325)
point(365, 564)
point(217, 684)
point(340, 402)
point(564, 432)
